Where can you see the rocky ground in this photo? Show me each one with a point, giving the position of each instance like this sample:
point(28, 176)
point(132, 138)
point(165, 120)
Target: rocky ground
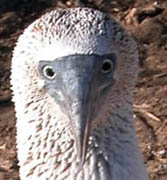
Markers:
point(147, 21)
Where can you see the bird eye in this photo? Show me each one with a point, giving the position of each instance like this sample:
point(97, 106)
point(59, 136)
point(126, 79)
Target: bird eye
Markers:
point(49, 72)
point(107, 66)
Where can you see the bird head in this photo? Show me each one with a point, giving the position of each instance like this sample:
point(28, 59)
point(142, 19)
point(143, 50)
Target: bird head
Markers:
point(72, 62)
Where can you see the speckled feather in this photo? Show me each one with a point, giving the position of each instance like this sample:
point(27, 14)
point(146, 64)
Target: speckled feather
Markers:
point(45, 142)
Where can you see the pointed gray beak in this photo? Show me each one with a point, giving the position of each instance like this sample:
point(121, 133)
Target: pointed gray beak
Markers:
point(80, 110)
point(78, 105)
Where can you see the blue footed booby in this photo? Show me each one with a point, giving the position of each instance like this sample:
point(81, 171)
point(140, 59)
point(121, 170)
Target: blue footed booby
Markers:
point(73, 74)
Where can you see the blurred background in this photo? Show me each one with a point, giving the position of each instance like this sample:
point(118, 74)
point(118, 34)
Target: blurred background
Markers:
point(146, 20)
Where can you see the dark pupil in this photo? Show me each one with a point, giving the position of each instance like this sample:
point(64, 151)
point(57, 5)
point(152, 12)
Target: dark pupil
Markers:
point(106, 66)
point(50, 72)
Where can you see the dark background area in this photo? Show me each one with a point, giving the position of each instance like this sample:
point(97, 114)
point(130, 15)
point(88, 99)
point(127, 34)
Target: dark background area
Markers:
point(146, 20)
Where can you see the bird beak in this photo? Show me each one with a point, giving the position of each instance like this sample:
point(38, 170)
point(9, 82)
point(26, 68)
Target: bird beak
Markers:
point(81, 115)
point(80, 110)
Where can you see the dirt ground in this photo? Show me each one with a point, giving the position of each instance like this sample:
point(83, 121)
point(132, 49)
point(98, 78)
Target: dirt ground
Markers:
point(147, 21)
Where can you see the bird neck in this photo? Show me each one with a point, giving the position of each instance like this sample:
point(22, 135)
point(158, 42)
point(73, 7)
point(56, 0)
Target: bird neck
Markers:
point(47, 148)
